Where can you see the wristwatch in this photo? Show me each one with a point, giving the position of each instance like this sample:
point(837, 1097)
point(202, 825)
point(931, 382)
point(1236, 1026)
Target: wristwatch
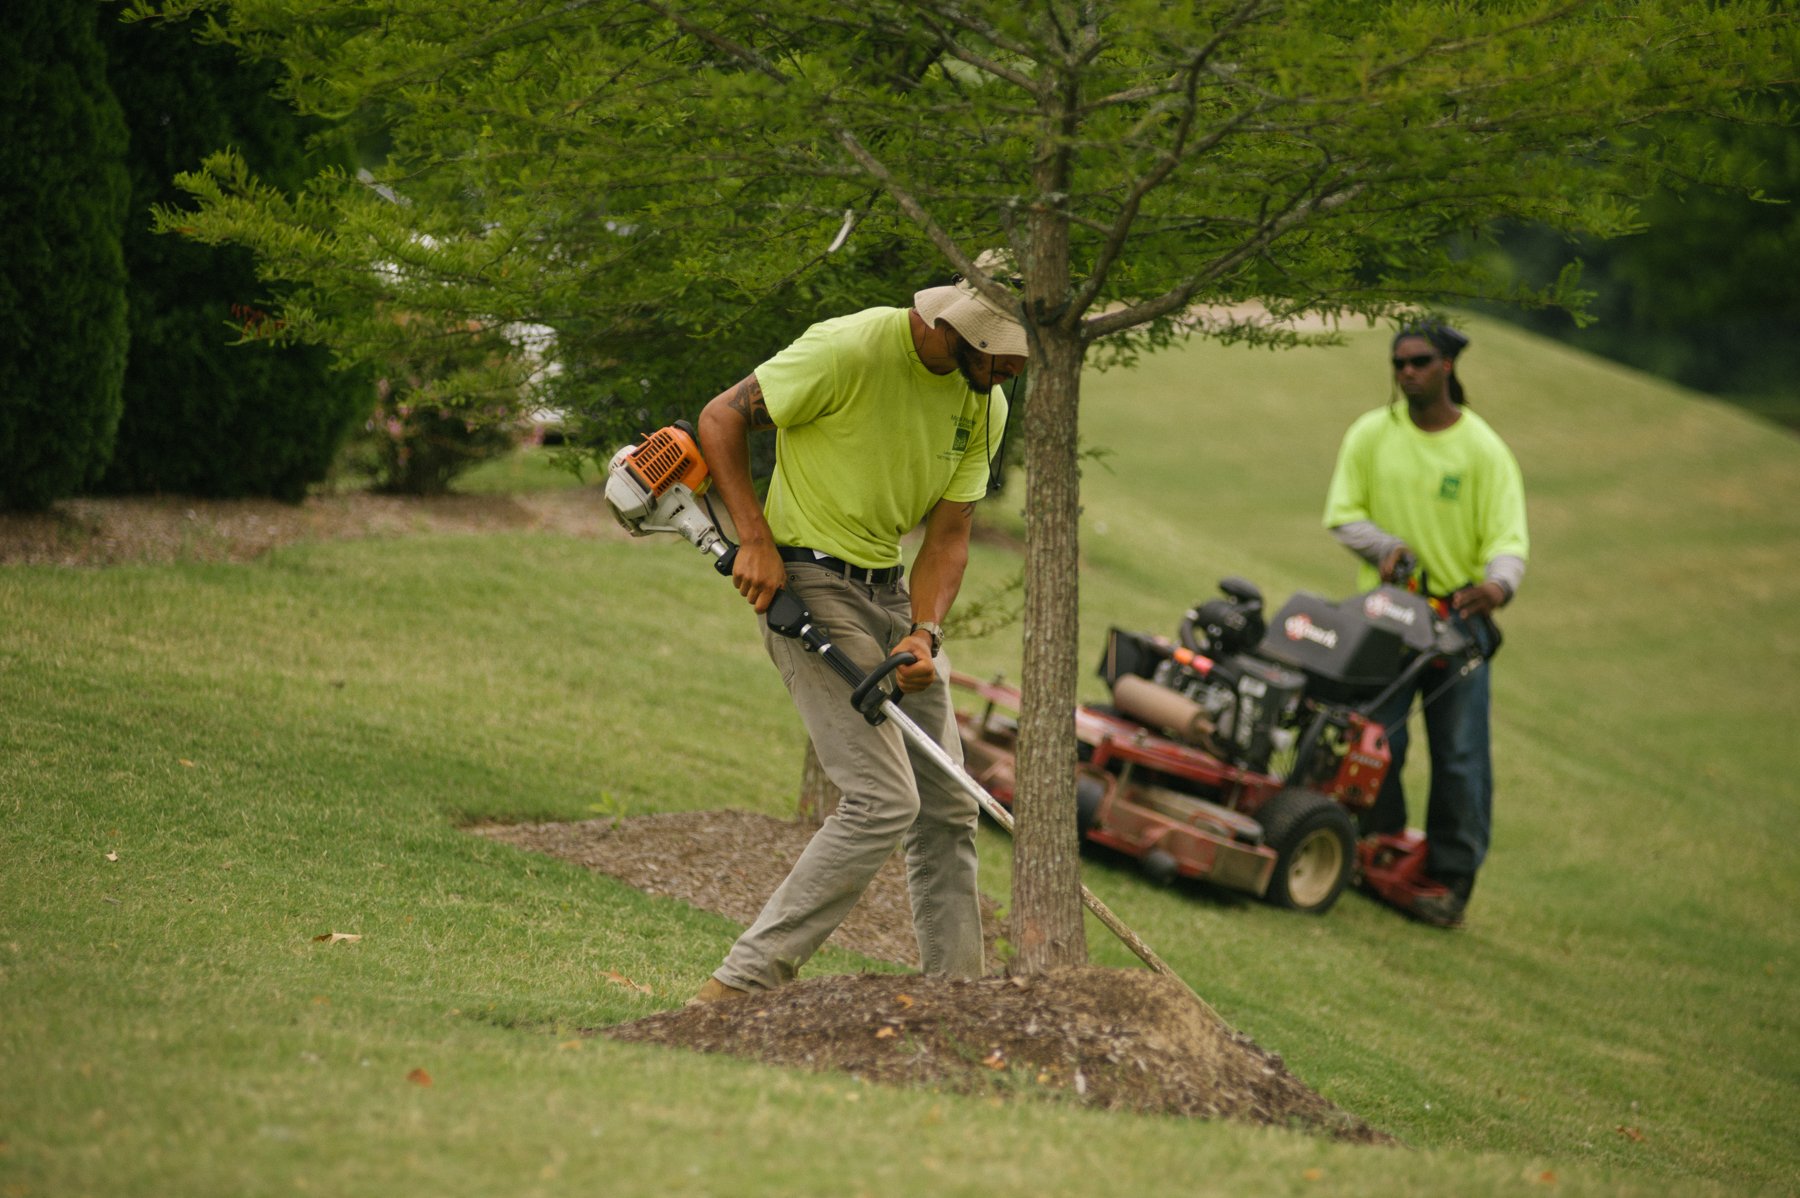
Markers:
point(932, 629)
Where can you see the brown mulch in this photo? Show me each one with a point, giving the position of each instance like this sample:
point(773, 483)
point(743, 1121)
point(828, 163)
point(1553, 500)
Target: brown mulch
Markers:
point(156, 530)
point(1124, 1040)
point(1114, 1039)
point(1117, 1040)
point(679, 855)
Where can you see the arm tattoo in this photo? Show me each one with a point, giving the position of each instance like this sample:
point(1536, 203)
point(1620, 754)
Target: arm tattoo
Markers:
point(747, 401)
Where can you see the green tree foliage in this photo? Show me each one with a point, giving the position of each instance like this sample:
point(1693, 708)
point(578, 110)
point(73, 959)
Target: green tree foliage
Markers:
point(215, 403)
point(1698, 295)
point(1153, 168)
point(62, 289)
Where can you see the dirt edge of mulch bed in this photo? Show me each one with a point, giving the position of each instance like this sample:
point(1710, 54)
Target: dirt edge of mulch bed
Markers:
point(1117, 1040)
point(156, 530)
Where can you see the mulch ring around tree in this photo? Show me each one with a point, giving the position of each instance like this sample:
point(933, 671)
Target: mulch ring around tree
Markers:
point(1120, 1040)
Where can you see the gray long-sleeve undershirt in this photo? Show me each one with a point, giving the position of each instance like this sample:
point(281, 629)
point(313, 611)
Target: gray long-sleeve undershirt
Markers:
point(1372, 543)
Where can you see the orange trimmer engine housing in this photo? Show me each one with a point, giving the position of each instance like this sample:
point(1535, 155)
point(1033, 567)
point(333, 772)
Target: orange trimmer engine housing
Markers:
point(666, 457)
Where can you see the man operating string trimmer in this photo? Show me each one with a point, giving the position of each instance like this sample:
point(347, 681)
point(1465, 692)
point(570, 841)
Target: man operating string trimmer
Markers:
point(883, 418)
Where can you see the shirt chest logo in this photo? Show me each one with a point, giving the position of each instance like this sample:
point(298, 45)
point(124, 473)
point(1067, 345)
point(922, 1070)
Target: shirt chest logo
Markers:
point(960, 442)
point(1450, 487)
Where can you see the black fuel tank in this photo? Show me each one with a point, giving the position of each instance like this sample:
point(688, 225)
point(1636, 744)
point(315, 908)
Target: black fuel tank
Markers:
point(1352, 648)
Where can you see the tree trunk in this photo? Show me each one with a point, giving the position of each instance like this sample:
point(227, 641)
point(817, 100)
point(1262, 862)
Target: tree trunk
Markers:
point(819, 795)
point(1047, 927)
point(1048, 931)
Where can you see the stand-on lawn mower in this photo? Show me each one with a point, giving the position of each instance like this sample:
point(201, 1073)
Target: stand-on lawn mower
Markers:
point(1241, 754)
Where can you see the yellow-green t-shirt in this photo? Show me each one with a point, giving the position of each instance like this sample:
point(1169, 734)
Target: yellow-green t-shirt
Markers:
point(867, 439)
point(1455, 496)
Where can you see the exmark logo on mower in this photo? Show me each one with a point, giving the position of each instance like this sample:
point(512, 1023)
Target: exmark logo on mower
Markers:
point(1301, 628)
point(1377, 606)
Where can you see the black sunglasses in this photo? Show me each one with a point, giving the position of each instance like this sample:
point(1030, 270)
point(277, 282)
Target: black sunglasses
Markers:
point(1417, 361)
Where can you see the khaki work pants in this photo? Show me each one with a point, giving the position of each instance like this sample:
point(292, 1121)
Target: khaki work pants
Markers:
point(891, 796)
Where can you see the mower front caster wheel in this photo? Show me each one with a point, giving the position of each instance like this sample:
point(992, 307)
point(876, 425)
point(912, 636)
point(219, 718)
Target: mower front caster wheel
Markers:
point(1315, 846)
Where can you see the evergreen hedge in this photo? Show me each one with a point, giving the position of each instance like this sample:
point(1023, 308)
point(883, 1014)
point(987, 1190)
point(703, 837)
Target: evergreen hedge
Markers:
point(63, 191)
point(203, 415)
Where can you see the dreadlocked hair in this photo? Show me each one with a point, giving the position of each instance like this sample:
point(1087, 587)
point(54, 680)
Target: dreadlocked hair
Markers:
point(1447, 341)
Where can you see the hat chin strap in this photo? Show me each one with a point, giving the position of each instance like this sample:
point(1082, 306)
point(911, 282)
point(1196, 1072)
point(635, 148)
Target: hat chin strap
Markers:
point(944, 354)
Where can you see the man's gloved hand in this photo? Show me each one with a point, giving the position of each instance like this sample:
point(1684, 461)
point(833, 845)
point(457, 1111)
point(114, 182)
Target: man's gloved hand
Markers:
point(921, 673)
point(1390, 561)
point(1479, 600)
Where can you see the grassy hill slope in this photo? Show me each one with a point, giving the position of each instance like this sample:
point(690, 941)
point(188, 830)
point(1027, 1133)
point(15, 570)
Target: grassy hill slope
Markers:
point(205, 768)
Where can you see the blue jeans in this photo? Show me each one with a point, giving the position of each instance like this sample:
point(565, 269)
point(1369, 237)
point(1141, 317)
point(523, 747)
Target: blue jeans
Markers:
point(1459, 811)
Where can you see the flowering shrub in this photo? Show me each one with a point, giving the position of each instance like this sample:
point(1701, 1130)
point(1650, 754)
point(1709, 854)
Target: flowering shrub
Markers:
point(418, 439)
point(419, 448)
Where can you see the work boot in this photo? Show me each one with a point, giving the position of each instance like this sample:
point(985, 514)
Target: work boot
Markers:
point(1444, 908)
point(713, 990)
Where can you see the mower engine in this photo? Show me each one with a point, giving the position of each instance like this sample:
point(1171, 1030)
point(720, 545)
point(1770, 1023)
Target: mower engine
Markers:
point(656, 484)
point(1239, 707)
point(1253, 705)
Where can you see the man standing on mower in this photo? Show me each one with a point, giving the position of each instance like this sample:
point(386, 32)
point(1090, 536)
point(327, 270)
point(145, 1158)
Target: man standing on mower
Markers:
point(883, 418)
point(1434, 487)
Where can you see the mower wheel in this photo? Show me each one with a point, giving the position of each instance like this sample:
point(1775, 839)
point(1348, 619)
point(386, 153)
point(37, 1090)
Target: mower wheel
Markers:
point(1090, 792)
point(1315, 847)
point(1160, 867)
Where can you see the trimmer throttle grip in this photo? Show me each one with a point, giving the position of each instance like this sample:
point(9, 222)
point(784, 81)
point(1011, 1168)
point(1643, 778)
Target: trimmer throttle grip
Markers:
point(787, 616)
point(868, 695)
point(724, 561)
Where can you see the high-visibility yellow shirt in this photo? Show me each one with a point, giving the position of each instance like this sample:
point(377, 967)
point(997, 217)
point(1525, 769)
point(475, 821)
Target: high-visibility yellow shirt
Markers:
point(1456, 496)
point(867, 439)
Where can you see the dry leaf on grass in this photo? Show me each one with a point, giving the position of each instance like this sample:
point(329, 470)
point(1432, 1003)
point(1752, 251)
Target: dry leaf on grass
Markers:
point(619, 979)
point(339, 937)
point(419, 1077)
point(112, 856)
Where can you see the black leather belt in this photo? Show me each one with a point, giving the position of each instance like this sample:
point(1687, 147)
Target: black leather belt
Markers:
point(867, 575)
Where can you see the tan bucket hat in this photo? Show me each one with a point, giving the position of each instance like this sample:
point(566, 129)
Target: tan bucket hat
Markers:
point(982, 323)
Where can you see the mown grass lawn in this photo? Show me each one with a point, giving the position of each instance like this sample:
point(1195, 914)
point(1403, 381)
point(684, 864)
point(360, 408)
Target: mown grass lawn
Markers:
point(204, 769)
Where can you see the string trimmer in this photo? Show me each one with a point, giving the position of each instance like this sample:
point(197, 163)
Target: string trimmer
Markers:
point(659, 485)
